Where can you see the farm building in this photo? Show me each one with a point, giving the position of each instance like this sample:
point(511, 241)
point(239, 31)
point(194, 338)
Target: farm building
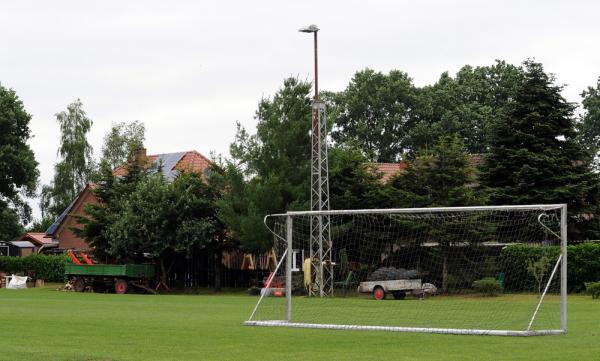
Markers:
point(16, 248)
point(61, 231)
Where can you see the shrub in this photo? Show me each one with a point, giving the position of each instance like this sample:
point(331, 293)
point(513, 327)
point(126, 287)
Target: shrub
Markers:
point(488, 286)
point(593, 288)
point(583, 263)
point(50, 268)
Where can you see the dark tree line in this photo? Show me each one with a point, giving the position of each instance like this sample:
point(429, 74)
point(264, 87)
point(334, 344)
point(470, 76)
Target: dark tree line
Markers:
point(533, 148)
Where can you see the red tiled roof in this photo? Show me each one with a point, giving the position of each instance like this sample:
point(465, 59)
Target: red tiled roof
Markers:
point(36, 238)
point(389, 169)
point(191, 161)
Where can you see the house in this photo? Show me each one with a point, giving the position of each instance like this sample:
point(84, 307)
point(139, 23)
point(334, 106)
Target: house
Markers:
point(39, 240)
point(170, 164)
point(16, 248)
point(388, 170)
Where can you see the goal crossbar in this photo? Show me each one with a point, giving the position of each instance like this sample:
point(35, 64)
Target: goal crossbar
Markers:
point(541, 207)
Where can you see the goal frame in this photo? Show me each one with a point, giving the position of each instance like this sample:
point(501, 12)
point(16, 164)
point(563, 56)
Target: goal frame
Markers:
point(287, 256)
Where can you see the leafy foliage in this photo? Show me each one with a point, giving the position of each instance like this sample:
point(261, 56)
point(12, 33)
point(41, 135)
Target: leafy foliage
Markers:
point(121, 141)
point(440, 177)
point(467, 105)
point(374, 113)
point(535, 159)
point(589, 125)
point(488, 286)
point(73, 171)
point(515, 260)
point(593, 288)
point(269, 171)
point(144, 214)
point(18, 167)
point(50, 268)
point(583, 265)
point(538, 269)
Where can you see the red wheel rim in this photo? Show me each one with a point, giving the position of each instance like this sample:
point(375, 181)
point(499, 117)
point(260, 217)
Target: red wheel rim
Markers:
point(379, 294)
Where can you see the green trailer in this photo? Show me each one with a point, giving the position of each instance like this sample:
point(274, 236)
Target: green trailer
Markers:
point(102, 277)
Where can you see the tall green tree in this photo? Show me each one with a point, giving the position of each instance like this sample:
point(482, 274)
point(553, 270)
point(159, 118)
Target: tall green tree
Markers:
point(76, 164)
point(589, 122)
point(354, 182)
point(18, 167)
point(467, 104)
point(535, 158)
point(269, 171)
point(121, 141)
point(162, 219)
point(374, 113)
point(442, 176)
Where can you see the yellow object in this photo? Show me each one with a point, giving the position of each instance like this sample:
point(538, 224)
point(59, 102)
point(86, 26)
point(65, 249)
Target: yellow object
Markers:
point(248, 262)
point(306, 270)
point(271, 260)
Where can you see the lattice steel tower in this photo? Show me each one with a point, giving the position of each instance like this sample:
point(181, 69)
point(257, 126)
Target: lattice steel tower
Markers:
point(320, 235)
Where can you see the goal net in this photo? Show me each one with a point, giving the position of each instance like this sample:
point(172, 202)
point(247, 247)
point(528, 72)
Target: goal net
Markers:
point(498, 270)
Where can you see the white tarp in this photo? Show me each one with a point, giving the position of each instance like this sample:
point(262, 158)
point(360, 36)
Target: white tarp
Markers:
point(17, 282)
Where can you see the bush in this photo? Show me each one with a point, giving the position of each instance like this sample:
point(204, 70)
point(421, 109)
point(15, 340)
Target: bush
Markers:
point(488, 286)
point(583, 265)
point(593, 288)
point(50, 268)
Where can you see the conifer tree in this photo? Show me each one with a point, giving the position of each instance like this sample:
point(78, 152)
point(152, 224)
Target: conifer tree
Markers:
point(535, 158)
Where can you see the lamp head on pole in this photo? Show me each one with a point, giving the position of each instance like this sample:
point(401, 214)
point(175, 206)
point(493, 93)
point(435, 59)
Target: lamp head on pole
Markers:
point(309, 29)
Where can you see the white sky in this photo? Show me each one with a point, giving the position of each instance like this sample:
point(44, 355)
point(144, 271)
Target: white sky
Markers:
point(189, 70)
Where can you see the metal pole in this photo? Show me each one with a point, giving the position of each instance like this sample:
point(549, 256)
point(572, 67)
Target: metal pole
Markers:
point(563, 269)
point(318, 120)
point(316, 69)
point(537, 307)
point(288, 270)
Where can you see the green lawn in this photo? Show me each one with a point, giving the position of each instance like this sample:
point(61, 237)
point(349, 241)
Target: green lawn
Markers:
point(43, 324)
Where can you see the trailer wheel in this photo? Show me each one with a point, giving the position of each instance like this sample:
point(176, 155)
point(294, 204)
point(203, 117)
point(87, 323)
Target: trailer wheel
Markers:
point(378, 293)
point(399, 295)
point(79, 284)
point(121, 286)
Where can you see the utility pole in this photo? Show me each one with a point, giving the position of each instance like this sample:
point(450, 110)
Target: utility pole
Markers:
point(320, 235)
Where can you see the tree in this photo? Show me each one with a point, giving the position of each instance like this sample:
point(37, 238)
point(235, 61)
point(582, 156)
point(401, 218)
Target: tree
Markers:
point(537, 269)
point(535, 158)
point(440, 177)
point(76, 164)
point(589, 124)
point(269, 171)
point(162, 219)
point(18, 167)
point(121, 141)
point(354, 183)
point(111, 196)
point(374, 113)
point(468, 105)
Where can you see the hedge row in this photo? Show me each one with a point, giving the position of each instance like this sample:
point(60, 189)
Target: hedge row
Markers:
point(50, 268)
point(583, 265)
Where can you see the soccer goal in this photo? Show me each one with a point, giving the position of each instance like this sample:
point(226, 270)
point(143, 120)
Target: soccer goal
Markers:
point(494, 270)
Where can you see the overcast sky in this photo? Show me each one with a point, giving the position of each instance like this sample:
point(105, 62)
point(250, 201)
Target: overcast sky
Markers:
point(190, 70)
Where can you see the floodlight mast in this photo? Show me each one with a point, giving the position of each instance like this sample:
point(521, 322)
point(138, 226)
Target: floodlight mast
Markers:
point(320, 244)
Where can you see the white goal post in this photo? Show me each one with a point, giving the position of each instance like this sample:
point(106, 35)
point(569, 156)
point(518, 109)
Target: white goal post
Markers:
point(489, 270)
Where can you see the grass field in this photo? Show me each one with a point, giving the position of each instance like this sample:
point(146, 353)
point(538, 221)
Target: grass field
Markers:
point(43, 324)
